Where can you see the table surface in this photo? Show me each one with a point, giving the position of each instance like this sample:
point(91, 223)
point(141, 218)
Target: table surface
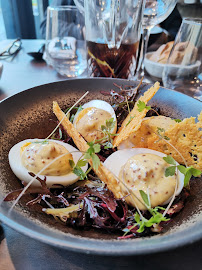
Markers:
point(21, 252)
point(23, 71)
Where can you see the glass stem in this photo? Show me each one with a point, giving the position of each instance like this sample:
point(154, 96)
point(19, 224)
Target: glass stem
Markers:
point(145, 40)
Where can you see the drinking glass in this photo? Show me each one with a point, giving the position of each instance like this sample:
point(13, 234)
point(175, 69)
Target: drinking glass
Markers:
point(155, 12)
point(112, 36)
point(65, 43)
point(183, 71)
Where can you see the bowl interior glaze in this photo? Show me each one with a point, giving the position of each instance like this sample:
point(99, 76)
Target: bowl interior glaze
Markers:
point(29, 115)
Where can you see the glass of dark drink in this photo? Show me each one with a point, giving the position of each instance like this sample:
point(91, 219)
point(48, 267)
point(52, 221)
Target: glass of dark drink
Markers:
point(112, 36)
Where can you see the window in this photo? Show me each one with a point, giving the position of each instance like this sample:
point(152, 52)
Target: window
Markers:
point(22, 18)
point(2, 27)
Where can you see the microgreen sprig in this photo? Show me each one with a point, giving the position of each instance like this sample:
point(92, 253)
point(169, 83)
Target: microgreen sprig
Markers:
point(77, 168)
point(53, 137)
point(107, 139)
point(141, 221)
point(131, 117)
point(161, 134)
point(141, 106)
point(177, 120)
point(90, 154)
point(41, 142)
point(79, 109)
point(187, 171)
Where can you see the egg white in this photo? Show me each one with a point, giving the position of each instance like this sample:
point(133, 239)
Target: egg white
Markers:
point(119, 158)
point(99, 104)
point(22, 173)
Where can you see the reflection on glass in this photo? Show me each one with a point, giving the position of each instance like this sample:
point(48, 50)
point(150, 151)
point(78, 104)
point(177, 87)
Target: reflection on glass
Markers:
point(183, 69)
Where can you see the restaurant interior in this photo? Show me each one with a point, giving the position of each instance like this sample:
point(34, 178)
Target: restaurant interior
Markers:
point(102, 57)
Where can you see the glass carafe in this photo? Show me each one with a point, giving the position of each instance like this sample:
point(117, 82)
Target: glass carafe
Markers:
point(112, 30)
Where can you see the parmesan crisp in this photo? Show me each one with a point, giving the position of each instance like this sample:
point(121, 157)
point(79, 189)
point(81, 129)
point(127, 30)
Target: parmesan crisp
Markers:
point(185, 136)
point(103, 173)
point(134, 119)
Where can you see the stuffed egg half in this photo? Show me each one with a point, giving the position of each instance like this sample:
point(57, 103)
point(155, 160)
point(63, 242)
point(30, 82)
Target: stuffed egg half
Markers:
point(144, 169)
point(149, 126)
point(93, 115)
point(48, 158)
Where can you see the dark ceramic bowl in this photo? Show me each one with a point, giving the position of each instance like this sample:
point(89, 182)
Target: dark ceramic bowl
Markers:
point(28, 114)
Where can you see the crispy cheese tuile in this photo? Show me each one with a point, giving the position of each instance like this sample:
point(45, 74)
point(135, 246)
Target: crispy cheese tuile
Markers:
point(127, 128)
point(186, 136)
point(103, 173)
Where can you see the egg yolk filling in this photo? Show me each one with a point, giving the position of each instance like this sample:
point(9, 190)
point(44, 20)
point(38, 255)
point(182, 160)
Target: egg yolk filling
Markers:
point(35, 156)
point(147, 172)
point(89, 123)
point(149, 126)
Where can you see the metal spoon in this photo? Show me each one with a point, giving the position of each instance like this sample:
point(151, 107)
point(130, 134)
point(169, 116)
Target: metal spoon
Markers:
point(38, 55)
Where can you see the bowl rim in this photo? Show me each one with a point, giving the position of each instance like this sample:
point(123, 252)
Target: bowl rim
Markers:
point(147, 60)
point(110, 247)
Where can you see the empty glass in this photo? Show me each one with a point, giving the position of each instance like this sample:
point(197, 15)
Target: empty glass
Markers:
point(183, 71)
point(155, 12)
point(65, 44)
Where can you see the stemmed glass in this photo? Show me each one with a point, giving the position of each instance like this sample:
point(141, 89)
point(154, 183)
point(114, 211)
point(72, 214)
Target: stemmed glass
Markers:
point(155, 12)
point(183, 71)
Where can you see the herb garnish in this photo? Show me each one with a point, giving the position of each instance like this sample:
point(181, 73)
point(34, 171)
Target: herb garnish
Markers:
point(166, 139)
point(187, 171)
point(141, 106)
point(131, 117)
point(177, 120)
point(90, 154)
point(53, 137)
point(77, 168)
point(141, 221)
point(79, 109)
point(170, 171)
point(107, 140)
point(41, 142)
point(161, 133)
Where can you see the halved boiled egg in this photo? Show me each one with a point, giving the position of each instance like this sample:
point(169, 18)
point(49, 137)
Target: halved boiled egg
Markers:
point(148, 128)
point(48, 158)
point(89, 120)
point(144, 169)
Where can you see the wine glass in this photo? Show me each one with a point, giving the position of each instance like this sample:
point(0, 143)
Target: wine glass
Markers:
point(183, 71)
point(155, 12)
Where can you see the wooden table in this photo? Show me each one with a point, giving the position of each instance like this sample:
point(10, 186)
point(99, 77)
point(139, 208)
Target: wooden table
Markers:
point(18, 251)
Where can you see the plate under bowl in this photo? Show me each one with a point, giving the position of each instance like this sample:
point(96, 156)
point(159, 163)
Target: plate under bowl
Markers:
point(29, 115)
